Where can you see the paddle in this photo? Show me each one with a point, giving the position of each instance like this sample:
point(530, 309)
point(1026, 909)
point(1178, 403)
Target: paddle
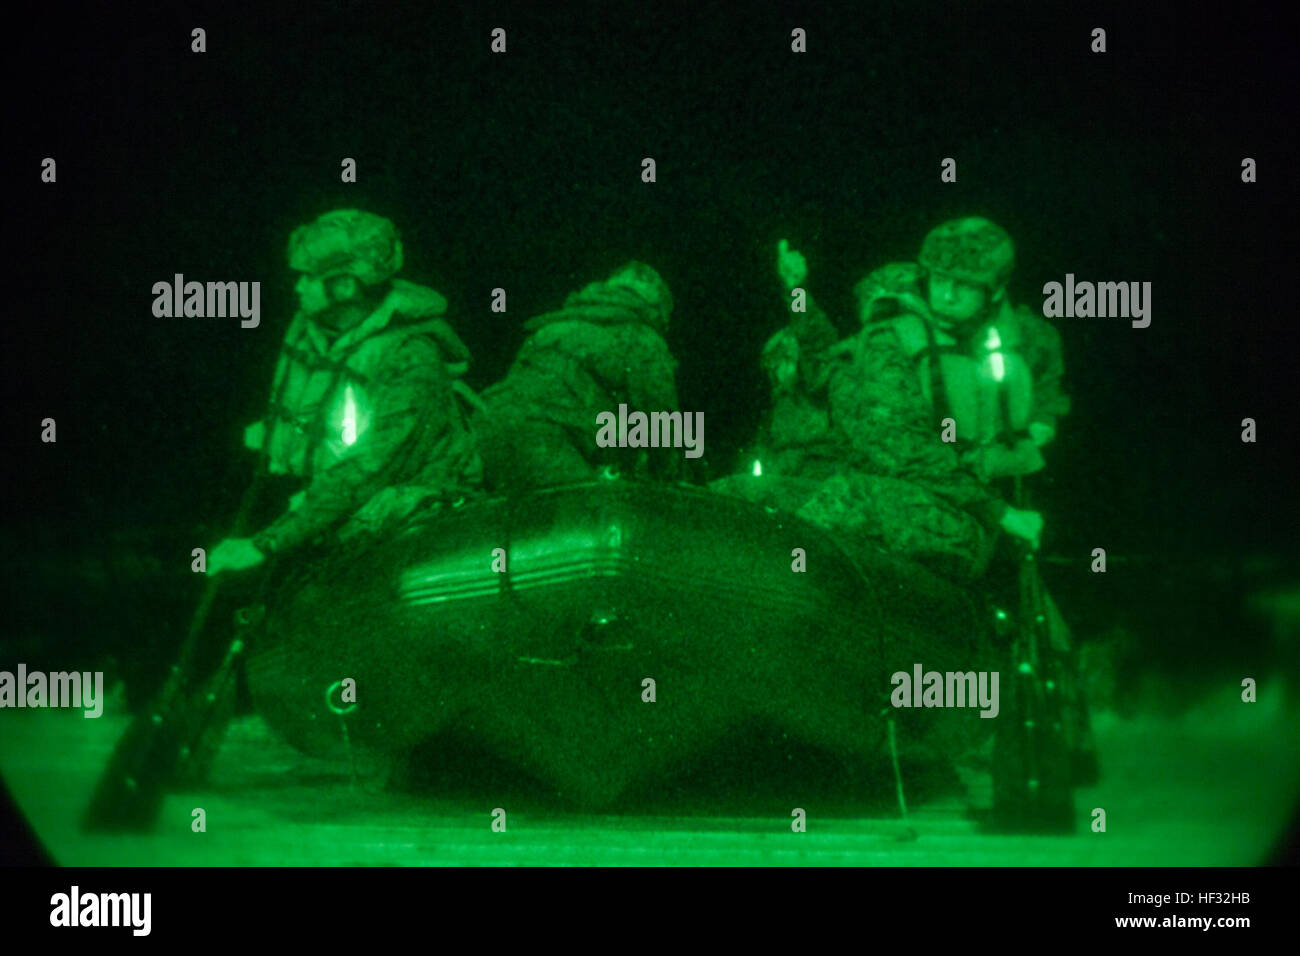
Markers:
point(174, 733)
point(1041, 794)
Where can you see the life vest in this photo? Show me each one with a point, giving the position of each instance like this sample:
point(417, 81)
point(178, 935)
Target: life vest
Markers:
point(322, 397)
point(982, 382)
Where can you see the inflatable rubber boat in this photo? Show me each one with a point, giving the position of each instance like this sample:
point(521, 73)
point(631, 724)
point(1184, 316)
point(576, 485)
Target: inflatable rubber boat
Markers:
point(595, 635)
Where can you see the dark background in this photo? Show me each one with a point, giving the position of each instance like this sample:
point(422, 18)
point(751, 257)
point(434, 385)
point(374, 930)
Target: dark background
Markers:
point(523, 171)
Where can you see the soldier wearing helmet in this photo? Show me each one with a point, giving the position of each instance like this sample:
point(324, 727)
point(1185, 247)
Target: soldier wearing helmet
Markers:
point(604, 347)
point(966, 265)
point(366, 404)
point(994, 369)
point(795, 439)
point(988, 375)
point(864, 454)
point(1007, 364)
point(885, 292)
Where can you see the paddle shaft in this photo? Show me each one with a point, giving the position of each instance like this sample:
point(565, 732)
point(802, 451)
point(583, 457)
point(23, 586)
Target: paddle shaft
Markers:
point(129, 792)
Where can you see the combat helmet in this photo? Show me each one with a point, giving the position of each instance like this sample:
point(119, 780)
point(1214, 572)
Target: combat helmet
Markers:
point(972, 250)
point(886, 290)
point(347, 242)
point(647, 283)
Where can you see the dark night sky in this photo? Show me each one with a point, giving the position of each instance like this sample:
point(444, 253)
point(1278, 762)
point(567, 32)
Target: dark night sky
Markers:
point(522, 171)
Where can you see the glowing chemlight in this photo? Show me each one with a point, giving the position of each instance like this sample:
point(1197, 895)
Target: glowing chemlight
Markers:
point(349, 417)
point(758, 468)
point(992, 343)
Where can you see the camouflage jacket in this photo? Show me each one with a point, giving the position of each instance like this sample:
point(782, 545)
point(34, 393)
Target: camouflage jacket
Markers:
point(603, 348)
point(874, 393)
point(797, 437)
point(371, 419)
point(1003, 375)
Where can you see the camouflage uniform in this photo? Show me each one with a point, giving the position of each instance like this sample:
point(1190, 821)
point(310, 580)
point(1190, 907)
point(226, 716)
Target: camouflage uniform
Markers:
point(1025, 352)
point(604, 348)
point(370, 418)
point(855, 443)
point(796, 437)
point(876, 474)
point(993, 378)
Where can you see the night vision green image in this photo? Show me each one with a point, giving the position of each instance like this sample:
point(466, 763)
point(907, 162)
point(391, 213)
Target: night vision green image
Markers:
point(440, 436)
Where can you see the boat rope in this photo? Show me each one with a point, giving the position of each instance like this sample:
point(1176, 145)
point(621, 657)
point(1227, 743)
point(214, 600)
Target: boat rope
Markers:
point(342, 713)
point(908, 832)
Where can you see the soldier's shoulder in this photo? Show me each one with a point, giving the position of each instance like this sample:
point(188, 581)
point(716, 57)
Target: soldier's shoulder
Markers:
point(643, 334)
point(1034, 328)
point(430, 345)
point(1028, 317)
point(554, 327)
point(415, 301)
point(600, 335)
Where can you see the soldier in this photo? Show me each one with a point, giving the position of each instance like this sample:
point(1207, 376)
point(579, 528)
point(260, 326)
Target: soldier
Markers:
point(603, 348)
point(877, 473)
point(796, 437)
point(1001, 364)
point(366, 405)
point(996, 371)
point(941, 355)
